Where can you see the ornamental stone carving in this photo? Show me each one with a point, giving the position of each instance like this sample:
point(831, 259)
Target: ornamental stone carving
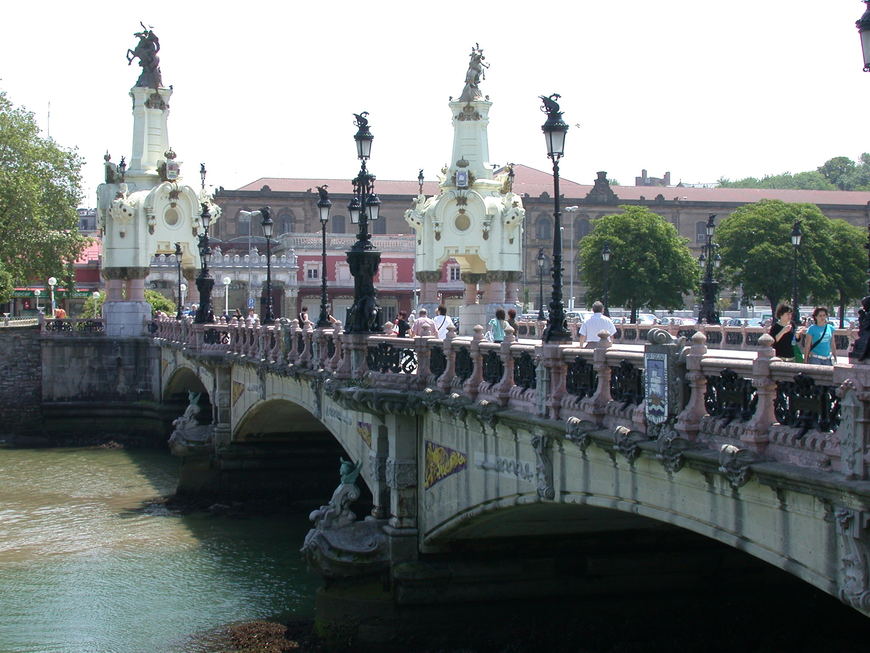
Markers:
point(401, 474)
point(543, 446)
point(855, 561)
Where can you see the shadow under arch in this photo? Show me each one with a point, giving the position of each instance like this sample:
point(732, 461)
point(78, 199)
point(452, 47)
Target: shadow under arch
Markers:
point(279, 447)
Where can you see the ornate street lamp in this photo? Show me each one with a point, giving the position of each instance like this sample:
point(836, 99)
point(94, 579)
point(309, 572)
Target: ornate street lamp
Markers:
point(365, 314)
point(605, 257)
point(266, 212)
point(323, 206)
point(37, 293)
point(796, 235)
point(863, 25)
point(202, 173)
point(709, 260)
point(554, 132)
point(541, 260)
point(52, 282)
point(183, 290)
point(204, 282)
point(178, 314)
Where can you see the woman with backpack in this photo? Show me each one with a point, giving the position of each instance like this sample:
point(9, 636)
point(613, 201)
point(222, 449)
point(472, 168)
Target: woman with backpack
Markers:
point(818, 339)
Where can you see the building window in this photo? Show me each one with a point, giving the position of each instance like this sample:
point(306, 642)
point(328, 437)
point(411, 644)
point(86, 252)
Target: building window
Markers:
point(581, 228)
point(285, 222)
point(388, 273)
point(342, 273)
point(380, 225)
point(243, 224)
point(312, 271)
point(543, 228)
point(700, 232)
point(338, 224)
point(454, 273)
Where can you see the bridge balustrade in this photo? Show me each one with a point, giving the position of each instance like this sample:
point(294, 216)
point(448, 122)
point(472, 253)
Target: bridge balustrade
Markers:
point(788, 411)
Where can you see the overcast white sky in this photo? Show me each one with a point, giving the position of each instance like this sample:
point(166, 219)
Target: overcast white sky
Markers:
point(699, 88)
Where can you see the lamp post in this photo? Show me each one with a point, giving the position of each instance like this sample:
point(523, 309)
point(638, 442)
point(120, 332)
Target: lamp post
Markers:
point(179, 314)
point(363, 259)
point(37, 293)
point(182, 290)
point(571, 252)
point(709, 260)
point(52, 282)
point(323, 206)
point(204, 282)
point(96, 296)
point(266, 212)
point(605, 257)
point(226, 281)
point(863, 25)
point(796, 235)
point(554, 131)
point(541, 259)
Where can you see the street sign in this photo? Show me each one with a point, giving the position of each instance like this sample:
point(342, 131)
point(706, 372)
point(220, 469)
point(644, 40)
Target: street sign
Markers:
point(250, 302)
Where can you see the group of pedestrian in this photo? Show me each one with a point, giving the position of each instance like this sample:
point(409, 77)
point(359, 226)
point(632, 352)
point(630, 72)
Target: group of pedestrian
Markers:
point(810, 343)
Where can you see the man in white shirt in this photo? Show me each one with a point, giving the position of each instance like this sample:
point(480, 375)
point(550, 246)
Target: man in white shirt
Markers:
point(590, 329)
point(442, 321)
point(423, 325)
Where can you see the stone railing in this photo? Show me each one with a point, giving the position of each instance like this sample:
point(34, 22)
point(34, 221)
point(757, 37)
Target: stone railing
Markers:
point(9, 321)
point(718, 337)
point(787, 412)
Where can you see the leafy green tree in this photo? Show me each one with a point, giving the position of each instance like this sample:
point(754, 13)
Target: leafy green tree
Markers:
point(846, 263)
point(839, 171)
point(39, 193)
point(6, 285)
point(93, 306)
point(650, 264)
point(811, 180)
point(755, 245)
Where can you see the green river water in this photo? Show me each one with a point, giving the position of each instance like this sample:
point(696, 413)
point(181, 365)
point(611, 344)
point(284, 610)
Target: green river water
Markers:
point(89, 564)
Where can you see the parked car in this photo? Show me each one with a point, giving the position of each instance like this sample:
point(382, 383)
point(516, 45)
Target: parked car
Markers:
point(647, 318)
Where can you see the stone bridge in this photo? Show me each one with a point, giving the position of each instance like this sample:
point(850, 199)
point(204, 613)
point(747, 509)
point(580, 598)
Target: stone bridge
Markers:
point(464, 441)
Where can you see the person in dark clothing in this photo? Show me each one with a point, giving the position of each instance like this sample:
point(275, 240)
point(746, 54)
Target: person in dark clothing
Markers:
point(782, 332)
point(402, 325)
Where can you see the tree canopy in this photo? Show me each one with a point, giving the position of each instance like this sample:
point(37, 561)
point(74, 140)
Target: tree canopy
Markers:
point(650, 265)
point(837, 173)
point(93, 306)
point(39, 193)
point(755, 245)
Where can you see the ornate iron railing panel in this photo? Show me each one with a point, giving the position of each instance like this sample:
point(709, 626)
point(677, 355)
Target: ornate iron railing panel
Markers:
point(626, 383)
point(581, 379)
point(464, 364)
point(524, 371)
point(493, 368)
point(687, 333)
point(752, 338)
point(806, 405)
point(437, 361)
point(730, 396)
point(385, 357)
point(733, 338)
point(841, 342)
point(215, 337)
point(81, 327)
point(714, 337)
point(629, 334)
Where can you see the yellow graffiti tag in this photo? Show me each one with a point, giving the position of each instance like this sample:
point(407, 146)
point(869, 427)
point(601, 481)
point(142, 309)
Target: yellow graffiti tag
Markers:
point(441, 462)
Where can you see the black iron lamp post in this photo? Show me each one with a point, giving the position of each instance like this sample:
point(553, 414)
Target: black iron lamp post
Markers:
point(796, 235)
point(323, 205)
point(364, 315)
point(266, 213)
point(863, 25)
point(554, 131)
point(179, 314)
point(709, 260)
point(202, 174)
point(204, 282)
point(541, 260)
point(605, 257)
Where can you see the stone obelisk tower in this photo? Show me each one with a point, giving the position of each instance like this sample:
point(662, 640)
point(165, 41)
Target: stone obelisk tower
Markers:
point(144, 208)
point(476, 219)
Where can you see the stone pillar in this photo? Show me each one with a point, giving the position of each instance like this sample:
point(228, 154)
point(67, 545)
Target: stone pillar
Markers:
point(402, 475)
point(854, 429)
point(512, 288)
point(125, 316)
point(689, 421)
point(756, 433)
point(428, 287)
point(473, 313)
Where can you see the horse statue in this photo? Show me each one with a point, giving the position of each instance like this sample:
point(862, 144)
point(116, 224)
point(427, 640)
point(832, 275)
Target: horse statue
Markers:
point(146, 51)
point(474, 74)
